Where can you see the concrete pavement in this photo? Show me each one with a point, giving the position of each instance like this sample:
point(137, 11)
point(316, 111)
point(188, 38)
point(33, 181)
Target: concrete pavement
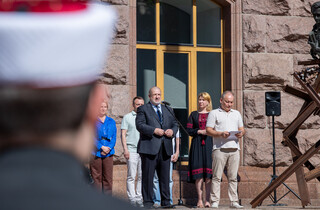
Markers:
point(249, 207)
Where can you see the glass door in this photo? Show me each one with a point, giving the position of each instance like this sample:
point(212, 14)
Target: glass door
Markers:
point(176, 90)
point(180, 44)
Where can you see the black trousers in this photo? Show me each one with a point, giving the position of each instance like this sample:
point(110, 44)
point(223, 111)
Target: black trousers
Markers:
point(161, 164)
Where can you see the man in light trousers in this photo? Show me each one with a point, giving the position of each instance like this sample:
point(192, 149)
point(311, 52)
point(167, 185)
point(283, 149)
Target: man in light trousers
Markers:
point(225, 125)
point(130, 137)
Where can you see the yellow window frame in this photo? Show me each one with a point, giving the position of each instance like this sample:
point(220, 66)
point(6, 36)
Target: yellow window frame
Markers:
point(192, 55)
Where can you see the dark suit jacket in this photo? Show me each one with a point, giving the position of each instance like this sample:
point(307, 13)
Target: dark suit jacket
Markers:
point(146, 122)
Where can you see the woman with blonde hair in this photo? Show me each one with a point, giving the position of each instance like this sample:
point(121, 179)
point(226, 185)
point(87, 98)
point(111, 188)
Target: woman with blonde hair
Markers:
point(101, 165)
point(200, 160)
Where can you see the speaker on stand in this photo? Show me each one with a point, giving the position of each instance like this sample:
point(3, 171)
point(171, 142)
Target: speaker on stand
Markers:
point(273, 103)
point(273, 108)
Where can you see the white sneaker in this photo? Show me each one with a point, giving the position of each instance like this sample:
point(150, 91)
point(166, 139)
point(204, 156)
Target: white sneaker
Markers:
point(139, 204)
point(236, 205)
point(133, 203)
point(215, 205)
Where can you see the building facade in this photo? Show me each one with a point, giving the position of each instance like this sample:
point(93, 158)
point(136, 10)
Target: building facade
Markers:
point(189, 46)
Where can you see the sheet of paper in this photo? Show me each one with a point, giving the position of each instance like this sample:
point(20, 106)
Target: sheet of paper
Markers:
point(233, 135)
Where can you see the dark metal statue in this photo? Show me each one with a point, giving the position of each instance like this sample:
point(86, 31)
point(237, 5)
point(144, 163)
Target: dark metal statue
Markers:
point(314, 35)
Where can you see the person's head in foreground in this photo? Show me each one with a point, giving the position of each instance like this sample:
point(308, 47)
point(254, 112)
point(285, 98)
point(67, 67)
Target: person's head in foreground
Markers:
point(51, 53)
point(50, 56)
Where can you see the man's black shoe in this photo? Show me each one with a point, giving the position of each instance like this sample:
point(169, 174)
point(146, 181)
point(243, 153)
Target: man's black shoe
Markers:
point(168, 207)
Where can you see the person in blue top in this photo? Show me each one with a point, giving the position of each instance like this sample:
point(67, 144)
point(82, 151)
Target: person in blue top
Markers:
point(101, 165)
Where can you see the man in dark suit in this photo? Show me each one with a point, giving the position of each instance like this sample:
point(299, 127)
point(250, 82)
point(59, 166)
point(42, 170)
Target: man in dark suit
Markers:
point(157, 127)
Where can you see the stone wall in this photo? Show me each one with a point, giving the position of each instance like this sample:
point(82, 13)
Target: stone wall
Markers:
point(117, 73)
point(275, 34)
point(274, 37)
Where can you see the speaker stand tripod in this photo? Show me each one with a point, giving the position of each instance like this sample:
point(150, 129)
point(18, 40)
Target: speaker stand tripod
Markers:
point(274, 198)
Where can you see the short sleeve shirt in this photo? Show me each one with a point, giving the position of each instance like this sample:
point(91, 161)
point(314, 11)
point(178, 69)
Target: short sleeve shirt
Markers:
point(221, 120)
point(129, 123)
point(174, 141)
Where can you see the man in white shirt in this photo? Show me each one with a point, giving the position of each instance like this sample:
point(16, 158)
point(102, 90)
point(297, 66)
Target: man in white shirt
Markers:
point(226, 147)
point(130, 138)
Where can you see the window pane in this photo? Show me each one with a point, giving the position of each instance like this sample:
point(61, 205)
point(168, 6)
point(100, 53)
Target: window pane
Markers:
point(176, 90)
point(146, 21)
point(176, 21)
point(146, 72)
point(208, 23)
point(209, 75)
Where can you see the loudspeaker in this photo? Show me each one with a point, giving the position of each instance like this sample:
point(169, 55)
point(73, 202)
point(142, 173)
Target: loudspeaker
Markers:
point(273, 103)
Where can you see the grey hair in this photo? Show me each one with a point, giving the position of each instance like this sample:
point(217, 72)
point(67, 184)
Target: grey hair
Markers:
point(225, 93)
point(154, 87)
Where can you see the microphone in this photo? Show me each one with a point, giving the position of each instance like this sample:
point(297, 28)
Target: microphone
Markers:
point(165, 103)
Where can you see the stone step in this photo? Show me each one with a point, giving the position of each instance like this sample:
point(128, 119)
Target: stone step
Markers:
point(252, 181)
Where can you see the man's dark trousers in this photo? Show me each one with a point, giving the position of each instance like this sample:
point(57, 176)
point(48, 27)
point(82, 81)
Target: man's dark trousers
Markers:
point(161, 163)
point(155, 150)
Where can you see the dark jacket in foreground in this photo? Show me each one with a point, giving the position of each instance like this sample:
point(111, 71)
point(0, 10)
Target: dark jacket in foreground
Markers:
point(37, 179)
point(146, 121)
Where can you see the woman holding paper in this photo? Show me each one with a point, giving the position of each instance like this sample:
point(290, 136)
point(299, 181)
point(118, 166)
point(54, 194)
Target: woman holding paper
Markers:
point(200, 160)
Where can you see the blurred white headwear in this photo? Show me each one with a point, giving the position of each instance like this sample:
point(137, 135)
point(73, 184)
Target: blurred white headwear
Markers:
point(53, 43)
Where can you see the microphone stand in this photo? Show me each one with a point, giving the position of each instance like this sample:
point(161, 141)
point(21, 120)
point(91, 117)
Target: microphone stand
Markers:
point(180, 201)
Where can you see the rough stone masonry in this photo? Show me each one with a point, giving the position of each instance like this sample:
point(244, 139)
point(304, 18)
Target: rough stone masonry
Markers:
point(274, 39)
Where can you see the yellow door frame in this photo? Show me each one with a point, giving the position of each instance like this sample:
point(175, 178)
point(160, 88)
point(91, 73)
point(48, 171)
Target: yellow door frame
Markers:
point(192, 57)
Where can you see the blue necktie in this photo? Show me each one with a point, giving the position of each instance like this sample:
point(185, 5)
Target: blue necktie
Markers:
point(159, 114)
